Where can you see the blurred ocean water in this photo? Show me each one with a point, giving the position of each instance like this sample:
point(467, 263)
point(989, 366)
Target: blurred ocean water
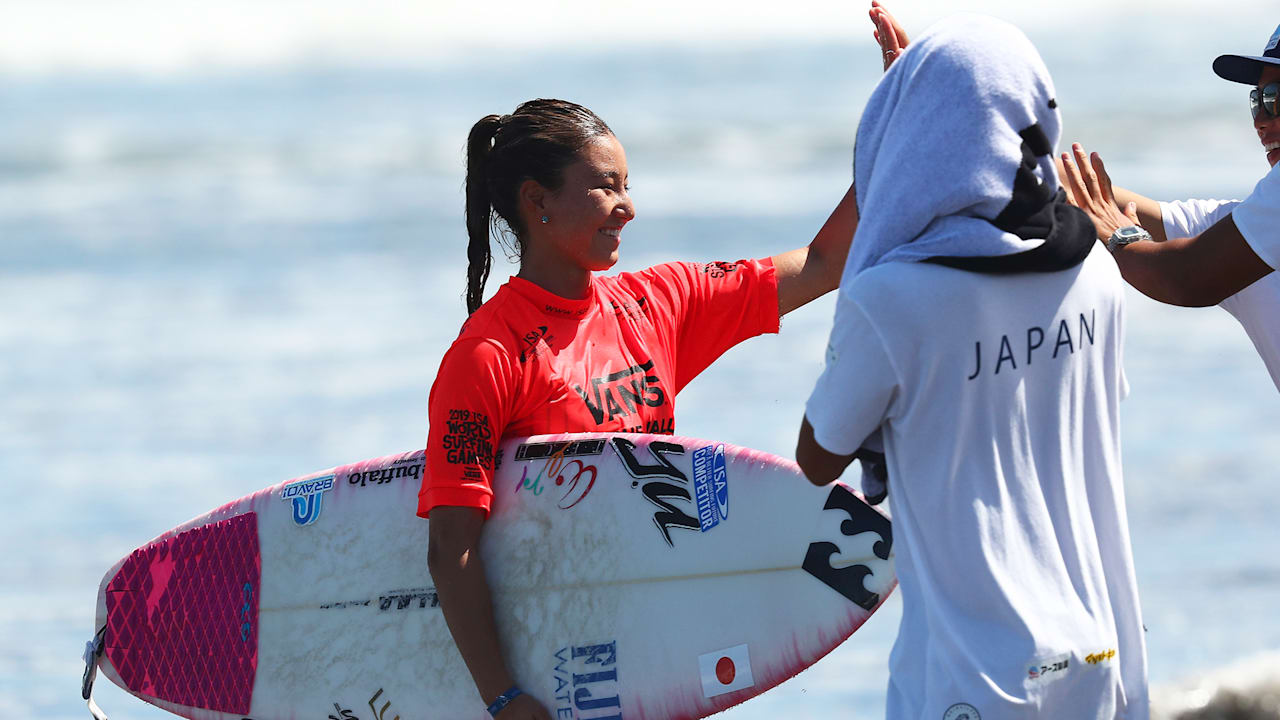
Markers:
point(215, 280)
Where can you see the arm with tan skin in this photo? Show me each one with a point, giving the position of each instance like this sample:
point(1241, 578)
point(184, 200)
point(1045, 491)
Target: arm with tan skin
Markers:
point(888, 33)
point(453, 558)
point(1191, 272)
point(818, 464)
point(1149, 216)
point(807, 273)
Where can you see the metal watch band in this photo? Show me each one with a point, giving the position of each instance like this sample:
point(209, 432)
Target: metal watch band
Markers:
point(1126, 235)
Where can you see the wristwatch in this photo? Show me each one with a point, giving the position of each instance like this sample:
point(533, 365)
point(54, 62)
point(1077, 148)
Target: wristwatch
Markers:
point(1126, 236)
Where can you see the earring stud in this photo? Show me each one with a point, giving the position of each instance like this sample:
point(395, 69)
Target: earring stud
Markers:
point(545, 219)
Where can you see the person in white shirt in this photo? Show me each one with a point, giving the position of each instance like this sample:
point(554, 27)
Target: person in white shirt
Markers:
point(977, 341)
point(1205, 252)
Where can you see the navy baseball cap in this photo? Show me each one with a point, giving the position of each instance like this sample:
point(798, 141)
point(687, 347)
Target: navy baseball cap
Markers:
point(1245, 68)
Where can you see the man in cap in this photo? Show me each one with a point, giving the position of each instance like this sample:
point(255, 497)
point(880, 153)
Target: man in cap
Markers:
point(1205, 252)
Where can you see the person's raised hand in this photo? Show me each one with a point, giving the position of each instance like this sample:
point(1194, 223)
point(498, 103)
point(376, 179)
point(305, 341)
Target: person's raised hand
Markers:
point(888, 33)
point(1088, 187)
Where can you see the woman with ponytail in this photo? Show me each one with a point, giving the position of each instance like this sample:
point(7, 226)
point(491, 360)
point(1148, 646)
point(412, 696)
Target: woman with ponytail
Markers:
point(544, 354)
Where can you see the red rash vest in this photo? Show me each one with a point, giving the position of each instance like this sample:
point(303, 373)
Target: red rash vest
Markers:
point(528, 362)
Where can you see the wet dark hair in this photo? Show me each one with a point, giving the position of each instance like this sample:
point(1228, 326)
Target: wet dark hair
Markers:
point(536, 142)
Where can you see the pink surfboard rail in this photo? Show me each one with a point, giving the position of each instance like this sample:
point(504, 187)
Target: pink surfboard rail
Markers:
point(611, 572)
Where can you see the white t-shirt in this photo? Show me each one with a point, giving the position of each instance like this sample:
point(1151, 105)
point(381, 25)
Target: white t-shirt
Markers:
point(998, 397)
point(1257, 307)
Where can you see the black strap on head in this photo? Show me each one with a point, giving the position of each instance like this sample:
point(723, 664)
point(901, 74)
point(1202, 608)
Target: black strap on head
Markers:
point(1034, 211)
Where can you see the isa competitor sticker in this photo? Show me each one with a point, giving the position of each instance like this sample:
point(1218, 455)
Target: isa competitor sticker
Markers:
point(307, 497)
point(710, 486)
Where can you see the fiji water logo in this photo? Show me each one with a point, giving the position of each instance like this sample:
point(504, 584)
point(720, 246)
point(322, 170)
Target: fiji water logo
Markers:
point(307, 497)
point(587, 682)
point(710, 486)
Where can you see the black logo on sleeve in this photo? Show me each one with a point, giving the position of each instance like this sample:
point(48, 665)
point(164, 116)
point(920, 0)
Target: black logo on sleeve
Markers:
point(469, 439)
point(848, 580)
point(634, 309)
point(534, 342)
point(720, 269)
point(622, 393)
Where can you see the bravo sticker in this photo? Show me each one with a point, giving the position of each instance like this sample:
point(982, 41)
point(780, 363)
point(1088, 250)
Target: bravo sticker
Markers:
point(710, 486)
point(307, 497)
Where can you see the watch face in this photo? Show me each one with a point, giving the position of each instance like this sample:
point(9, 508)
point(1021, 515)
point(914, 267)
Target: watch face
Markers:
point(1128, 235)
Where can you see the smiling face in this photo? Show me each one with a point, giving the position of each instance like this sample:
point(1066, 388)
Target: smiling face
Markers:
point(590, 208)
point(1268, 127)
point(585, 217)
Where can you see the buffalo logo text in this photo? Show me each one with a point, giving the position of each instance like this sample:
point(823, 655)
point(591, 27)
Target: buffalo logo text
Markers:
point(382, 476)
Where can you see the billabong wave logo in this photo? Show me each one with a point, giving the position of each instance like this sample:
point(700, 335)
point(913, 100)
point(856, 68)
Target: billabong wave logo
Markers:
point(307, 497)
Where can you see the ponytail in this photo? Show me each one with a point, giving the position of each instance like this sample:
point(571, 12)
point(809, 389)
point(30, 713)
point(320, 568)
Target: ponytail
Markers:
point(479, 213)
point(536, 142)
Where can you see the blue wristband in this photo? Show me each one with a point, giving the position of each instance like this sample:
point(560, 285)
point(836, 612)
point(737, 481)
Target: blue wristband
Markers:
point(502, 700)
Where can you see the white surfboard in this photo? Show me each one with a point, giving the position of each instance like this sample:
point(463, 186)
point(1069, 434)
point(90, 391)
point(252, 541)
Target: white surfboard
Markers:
point(634, 576)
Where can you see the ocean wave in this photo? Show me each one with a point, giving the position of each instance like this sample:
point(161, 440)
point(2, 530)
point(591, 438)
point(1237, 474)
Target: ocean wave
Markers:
point(1248, 689)
point(166, 37)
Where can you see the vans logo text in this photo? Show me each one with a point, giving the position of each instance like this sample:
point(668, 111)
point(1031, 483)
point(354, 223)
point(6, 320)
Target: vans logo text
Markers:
point(622, 393)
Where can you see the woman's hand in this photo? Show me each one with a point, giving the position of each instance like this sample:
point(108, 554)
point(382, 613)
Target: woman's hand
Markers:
point(888, 33)
point(1089, 188)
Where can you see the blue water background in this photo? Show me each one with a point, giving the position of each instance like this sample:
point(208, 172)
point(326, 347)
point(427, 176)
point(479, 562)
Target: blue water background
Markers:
point(214, 281)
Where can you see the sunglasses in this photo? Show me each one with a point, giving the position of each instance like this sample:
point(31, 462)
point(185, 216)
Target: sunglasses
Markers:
point(1264, 98)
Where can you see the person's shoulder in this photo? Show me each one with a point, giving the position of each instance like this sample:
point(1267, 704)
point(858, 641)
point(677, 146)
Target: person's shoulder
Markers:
point(495, 321)
point(669, 279)
point(894, 278)
point(654, 273)
point(1099, 266)
point(687, 270)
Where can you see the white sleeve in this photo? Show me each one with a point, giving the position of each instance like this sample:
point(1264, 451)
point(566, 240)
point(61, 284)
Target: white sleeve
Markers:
point(1189, 218)
point(1258, 219)
point(853, 394)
